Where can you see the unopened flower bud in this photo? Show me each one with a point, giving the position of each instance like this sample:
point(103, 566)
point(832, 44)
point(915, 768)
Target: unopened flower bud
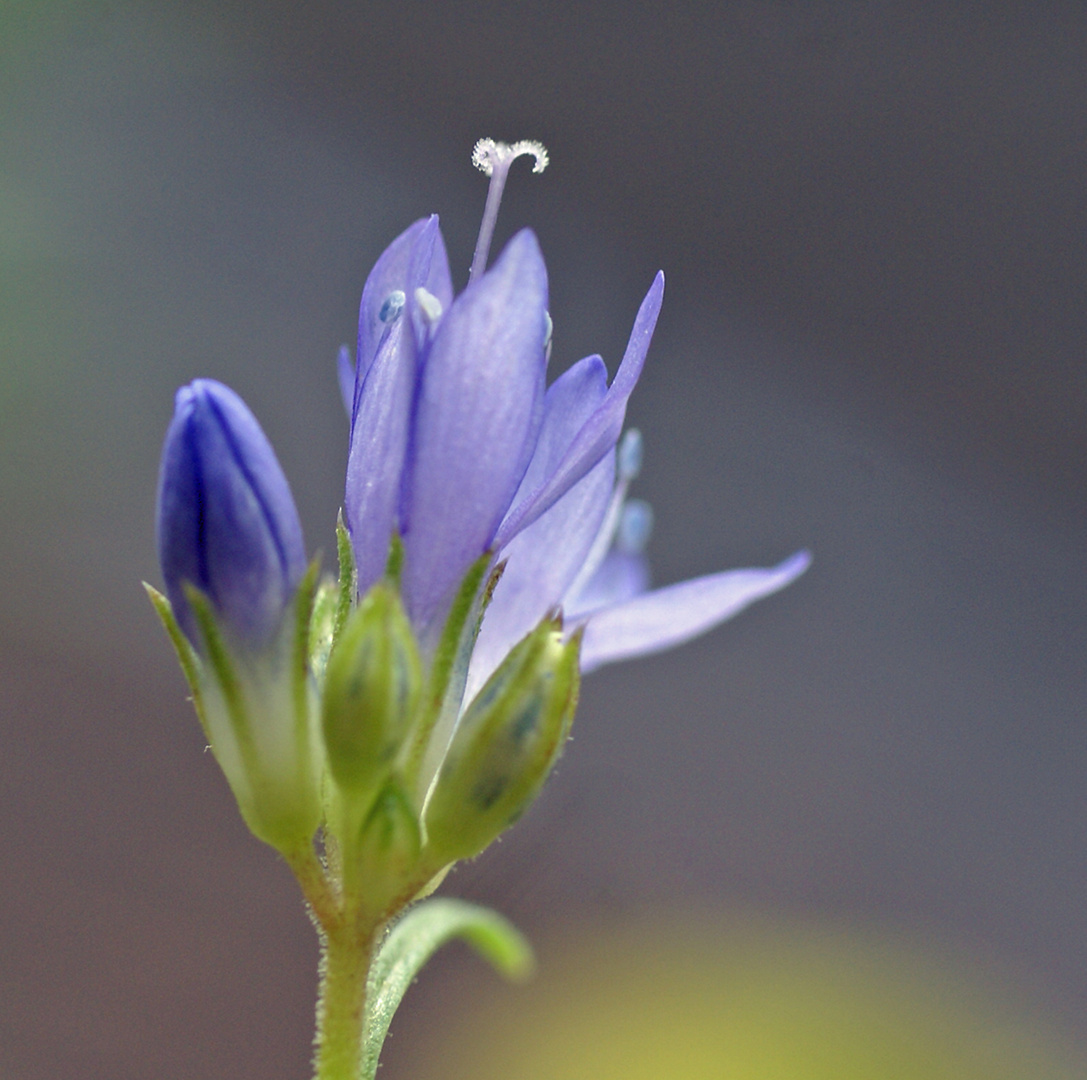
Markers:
point(505, 745)
point(240, 600)
point(371, 692)
point(227, 524)
point(388, 852)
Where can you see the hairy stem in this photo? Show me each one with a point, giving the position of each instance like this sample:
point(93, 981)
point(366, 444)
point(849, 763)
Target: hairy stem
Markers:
point(316, 887)
point(341, 1002)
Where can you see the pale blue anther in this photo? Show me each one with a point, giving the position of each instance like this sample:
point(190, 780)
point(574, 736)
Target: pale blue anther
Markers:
point(635, 527)
point(630, 455)
point(392, 307)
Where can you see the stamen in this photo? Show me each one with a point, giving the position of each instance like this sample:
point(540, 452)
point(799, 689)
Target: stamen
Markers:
point(630, 455)
point(393, 305)
point(494, 160)
point(429, 305)
point(635, 527)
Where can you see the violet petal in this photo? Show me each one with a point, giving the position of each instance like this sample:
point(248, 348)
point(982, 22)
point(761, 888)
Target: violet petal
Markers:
point(665, 617)
point(415, 258)
point(619, 578)
point(375, 458)
point(478, 415)
point(541, 562)
point(601, 432)
point(226, 520)
point(569, 402)
point(345, 375)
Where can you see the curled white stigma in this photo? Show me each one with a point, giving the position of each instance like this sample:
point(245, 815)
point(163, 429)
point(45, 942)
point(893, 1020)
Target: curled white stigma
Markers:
point(487, 153)
point(494, 160)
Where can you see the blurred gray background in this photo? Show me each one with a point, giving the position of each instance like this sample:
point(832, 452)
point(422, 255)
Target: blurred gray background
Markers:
point(872, 218)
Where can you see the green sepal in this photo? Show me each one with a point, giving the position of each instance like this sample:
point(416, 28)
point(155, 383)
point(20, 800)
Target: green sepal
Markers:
point(433, 884)
point(304, 602)
point(241, 691)
point(459, 624)
point(186, 655)
point(449, 671)
point(505, 745)
point(221, 667)
point(322, 627)
point(394, 564)
point(349, 578)
point(410, 944)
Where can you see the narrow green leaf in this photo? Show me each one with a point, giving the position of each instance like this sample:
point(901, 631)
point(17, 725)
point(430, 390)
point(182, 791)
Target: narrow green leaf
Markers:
point(414, 939)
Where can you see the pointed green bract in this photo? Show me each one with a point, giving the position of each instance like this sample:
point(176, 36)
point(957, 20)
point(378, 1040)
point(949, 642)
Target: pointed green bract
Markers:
point(300, 658)
point(220, 665)
point(461, 627)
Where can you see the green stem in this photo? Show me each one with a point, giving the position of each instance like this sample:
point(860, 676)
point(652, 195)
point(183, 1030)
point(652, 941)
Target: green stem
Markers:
point(341, 1002)
point(316, 888)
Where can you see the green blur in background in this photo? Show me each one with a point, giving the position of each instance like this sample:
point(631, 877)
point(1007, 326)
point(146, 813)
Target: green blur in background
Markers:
point(710, 999)
point(871, 219)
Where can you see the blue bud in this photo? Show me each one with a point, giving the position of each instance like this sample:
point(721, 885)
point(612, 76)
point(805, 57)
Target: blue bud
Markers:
point(227, 523)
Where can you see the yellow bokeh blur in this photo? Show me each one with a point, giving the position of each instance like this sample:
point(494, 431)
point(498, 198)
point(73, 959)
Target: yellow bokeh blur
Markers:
point(707, 999)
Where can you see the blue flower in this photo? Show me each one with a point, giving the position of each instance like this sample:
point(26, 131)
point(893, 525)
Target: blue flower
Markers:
point(457, 445)
point(413, 710)
point(447, 406)
point(226, 521)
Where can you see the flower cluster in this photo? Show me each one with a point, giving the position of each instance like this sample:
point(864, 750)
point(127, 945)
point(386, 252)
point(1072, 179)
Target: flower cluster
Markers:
point(488, 556)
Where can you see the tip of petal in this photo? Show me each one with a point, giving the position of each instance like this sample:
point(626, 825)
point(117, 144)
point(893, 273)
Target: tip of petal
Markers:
point(522, 244)
point(794, 565)
point(667, 617)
